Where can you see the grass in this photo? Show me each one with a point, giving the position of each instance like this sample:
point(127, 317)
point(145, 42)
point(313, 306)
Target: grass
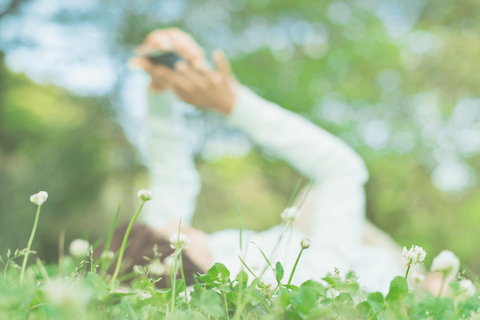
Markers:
point(77, 290)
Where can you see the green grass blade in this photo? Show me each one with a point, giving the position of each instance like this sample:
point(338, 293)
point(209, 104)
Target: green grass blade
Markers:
point(108, 242)
point(294, 194)
point(246, 300)
point(243, 262)
point(240, 224)
point(306, 194)
point(263, 254)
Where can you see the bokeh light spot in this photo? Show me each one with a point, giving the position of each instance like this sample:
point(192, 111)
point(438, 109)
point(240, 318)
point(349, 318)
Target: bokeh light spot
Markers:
point(339, 13)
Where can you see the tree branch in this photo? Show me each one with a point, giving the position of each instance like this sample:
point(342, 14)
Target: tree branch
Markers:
point(12, 7)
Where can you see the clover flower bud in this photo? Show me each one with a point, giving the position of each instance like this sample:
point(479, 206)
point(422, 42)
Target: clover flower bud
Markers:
point(177, 242)
point(138, 269)
point(289, 214)
point(305, 243)
point(168, 263)
point(156, 268)
point(415, 255)
point(39, 198)
point(446, 262)
point(417, 277)
point(108, 255)
point(467, 288)
point(145, 195)
point(79, 248)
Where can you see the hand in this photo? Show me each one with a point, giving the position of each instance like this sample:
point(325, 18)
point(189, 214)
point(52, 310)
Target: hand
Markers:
point(174, 39)
point(171, 39)
point(204, 88)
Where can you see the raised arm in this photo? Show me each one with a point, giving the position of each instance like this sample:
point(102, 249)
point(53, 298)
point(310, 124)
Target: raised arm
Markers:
point(173, 178)
point(338, 172)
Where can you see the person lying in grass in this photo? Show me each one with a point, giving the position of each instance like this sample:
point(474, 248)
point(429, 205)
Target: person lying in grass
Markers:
point(333, 212)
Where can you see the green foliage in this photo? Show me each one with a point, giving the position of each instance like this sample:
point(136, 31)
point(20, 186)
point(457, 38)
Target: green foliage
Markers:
point(398, 290)
point(207, 301)
point(376, 301)
point(279, 272)
point(85, 295)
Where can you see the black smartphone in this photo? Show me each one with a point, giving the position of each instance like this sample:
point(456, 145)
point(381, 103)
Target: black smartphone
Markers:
point(166, 58)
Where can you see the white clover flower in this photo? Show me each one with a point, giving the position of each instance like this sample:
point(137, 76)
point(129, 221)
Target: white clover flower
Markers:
point(177, 242)
point(138, 269)
point(107, 255)
point(290, 214)
point(446, 262)
point(305, 243)
point(39, 198)
point(475, 315)
point(415, 255)
point(79, 248)
point(268, 282)
point(467, 288)
point(145, 195)
point(156, 268)
point(417, 277)
point(67, 295)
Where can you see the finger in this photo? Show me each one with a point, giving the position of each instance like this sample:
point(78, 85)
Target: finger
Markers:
point(156, 70)
point(205, 70)
point(144, 49)
point(178, 80)
point(188, 52)
point(163, 72)
point(159, 40)
point(173, 78)
point(183, 38)
point(191, 73)
point(221, 61)
point(186, 46)
point(135, 63)
point(141, 63)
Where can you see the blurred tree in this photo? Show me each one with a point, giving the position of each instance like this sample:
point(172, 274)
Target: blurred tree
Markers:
point(67, 146)
point(10, 7)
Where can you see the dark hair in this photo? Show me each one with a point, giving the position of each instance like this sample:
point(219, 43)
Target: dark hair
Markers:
point(140, 244)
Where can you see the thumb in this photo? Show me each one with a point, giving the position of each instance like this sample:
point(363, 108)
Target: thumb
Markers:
point(222, 63)
point(140, 63)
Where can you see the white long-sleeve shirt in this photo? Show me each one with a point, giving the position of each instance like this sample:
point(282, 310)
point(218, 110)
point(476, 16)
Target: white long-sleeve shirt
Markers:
point(174, 179)
point(337, 171)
